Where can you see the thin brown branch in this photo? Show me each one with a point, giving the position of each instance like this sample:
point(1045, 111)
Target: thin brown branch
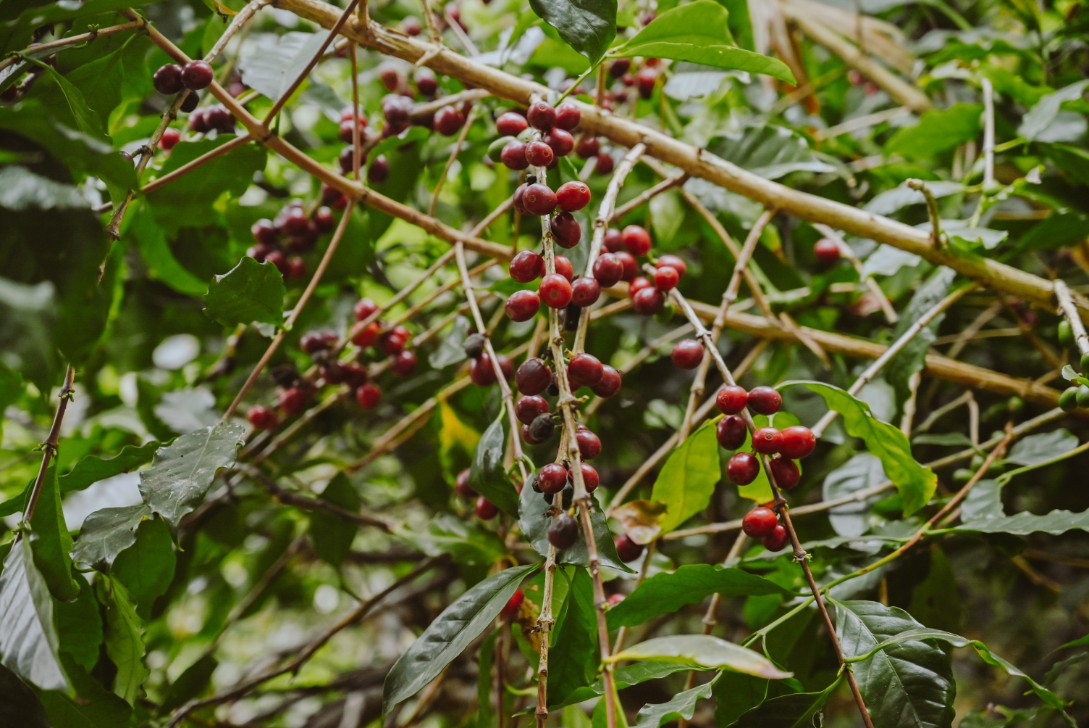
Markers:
point(37, 49)
point(49, 447)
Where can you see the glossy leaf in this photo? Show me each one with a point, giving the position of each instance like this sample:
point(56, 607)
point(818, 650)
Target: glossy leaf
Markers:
point(573, 655)
point(704, 651)
point(769, 151)
point(1046, 110)
point(488, 477)
point(1041, 448)
point(667, 593)
point(28, 642)
point(859, 473)
point(108, 532)
point(916, 483)
point(1055, 523)
point(912, 357)
point(332, 535)
point(588, 26)
point(52, 542)
point(251, 292)
point(451, 350)
point(626, 676)
point(79, 628)
point(187, 199)
point(125, 643)
point(937, 131)
point(146, 569)
point(682, 705)
point(797, 710)
point(688, 479)
point(449, 635)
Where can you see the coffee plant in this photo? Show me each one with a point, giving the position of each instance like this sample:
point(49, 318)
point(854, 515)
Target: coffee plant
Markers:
point(585, 363)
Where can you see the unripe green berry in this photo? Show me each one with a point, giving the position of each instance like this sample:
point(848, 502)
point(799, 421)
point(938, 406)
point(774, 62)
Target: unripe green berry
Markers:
point(1068, 400)
point(1082, 396)
point(1066, 333)
point(1085, 362)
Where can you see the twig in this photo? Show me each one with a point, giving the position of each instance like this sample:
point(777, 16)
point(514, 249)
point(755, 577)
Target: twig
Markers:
point(49, 447)
point(1070, 313)
point(648, 194)
point(931, 210)
point(44, 48)
point(237, 22)
point(845, 250)
point(988, 134)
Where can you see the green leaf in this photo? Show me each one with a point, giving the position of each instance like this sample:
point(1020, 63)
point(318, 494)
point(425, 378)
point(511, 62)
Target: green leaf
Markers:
point(488, 476)
point(332, 536)
point(52, 542)
point(937, 131)
point(108, 532)
point(626, 676)
point(27, 323)
point(859, 473)
point(191, 683)
point(786, 711)
point(1054, 523)
point(912, 357)
point(1046, 110)
point(124, 643)
point(910, 683)
point(182, 473)
point(251, 292)
point(667, 593)
point(916, 483)
point(699, 32)
point(81, 112)
point(147, 567)
point(451, 349)
point(1042, 448)
point(469, 546)
point(142, 226)
point(688, 479)
point(682, 705)
point(588, 26)
point(449, 635)
point(18, 704)
point(703, 651)
point(573, 655)
point(769, 151)
point(28, 642)
point(79, 628)
point(185, 202)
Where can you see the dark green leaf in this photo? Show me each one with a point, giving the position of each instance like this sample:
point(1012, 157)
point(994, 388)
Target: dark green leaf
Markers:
point(667, 593)
point(937, 131)
point(769, 151)
point(488, 477)
point(1042, 448)
point(1055, 523)
point(251, 292)
point(912, 357)
point(450, 633)
point(80, 111)
point(451, 349)
point(332, 536)
point(688, 479)
point(466, 545)
point(28, 642)
point(52, 542)
point(79, 628)
point(147, 567)
point(786, 711)
point(27, 322)
point(1046, 110)
point(588, 26)
point(573, 655)
point(155, 250)
point(916, 483)
point(910, 683)
point(185, 201)
point(190, 683)
point(859, 473)
point(682, 705)
point(485, 714)
point(18, 704)
point(108, 532)
point(124, 643)
point(704, 651)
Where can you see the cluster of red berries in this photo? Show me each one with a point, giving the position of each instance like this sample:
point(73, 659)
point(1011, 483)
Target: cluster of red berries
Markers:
point(172, 79)
point(535, 378)
point(294, 231)
point(481, 369)
point(377, 172)
point(763, 522)
point(202, 121)
point(484, 508)
point(648, 294)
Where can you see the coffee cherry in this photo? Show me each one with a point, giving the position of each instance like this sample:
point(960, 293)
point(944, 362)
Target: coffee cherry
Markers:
point(538, 199)
point(510, 609)
point(604, 164)
point(527, 409)
point(486, 510)
point(368, 335)
point(777, 539)
point(566, 230)
point(585, 291)
point(294, 400)
point(295, 268)
point(481, 371)
point(314, 341)
point(191, 101)
point(573, 196)
point(510, 123)
point(393, 342)
point(631, 266)
point(636, 239)
point(522, 305)
point(1065, 333)
point(687, 354)
point(797, 442)
point(561, 142)
point(541, 116)
point(426, 82)
point(785, 472)
point(541, 429)
point(637, 284)
point(292, 220)
point(170, 137)
point(564, 268)
point(742, 468)
point(555, 291)
point(364, 308)
point(514, 155)
point(759, 522)
point(648, 301)
point(570, 315)
point(404, 364)
point(590, 478)
point(278, 259)
point(552, 478)
point(614, 241)
point(584, 370)
point(563, 531)
point(526, 266)
point(411, 26)
point(389, 76)
point(731, 399)
point(533, 377)
point(608, 269)
point(264, 232)
point(827, 252)
point(367, 395)
point(589, 444)
point(645, 79)
point(168, 79)
point(397, 111)
point(609, 384)
point(261, 417)
point(568, 116)
point(197, 75)
point(587, 147)
point(675, 262)
point(1068, 400)
point(461, 484)
point(474, 345)
point(666, 278)
point(764, 400)
point(627, 549)
point(615, 599)
point(539, 154)
point(448, 121)
point(378, 172)
point(324, 220)
point(767, 440)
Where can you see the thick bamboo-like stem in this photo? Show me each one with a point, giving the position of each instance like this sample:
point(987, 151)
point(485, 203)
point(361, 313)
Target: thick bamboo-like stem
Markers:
point(697, 162)
point(49, 447)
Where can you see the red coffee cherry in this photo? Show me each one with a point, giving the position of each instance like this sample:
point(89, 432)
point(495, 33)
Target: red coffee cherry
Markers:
point(539, 154)
point(527, 409)
point(631, 266)
point(588, 147)
point(486, 510)
point(448, 121)
point(785, 472)
point(541, 116)
point(294, 400)
point(481, 371)
point(561, 142)
point(827, 252)
point(564, 268)
point(197, 75)
point(264, 232)
point(426, 81)
point(511, 123)
point(404, 364)
point(513, 155)
point(584, 370)
point(585, 292)
point(378, 172)
point(589, 444)
point(590, 478)
point(666, 278)
point(627, 549)
point(461, 485)
point(510, 609)
point(566, 230)
point(637, 284)
point(541, 429)
point(393, 342)
point(552, 478)
point(636, 239)
point(675, 262)
point(731, 399)
point(324, 220)
point(687, 354)
point(645, 79)
point(538, 199)
point(568, 116)
point(777, 539)
point(615, 599)
point(555, 291)
point(614, 241)
point(522, 305)
point(261, 417)
point(563, 531)
point(797, 442)
point(533, 377)
point(767, 440)
point(573, 196)
point(731, 432)
point(526, 266)
point(389, 76)
point(604, 164)
point(506, 367)
point(367, 395)
point(742, 468)
point(368, 335)
point(759, 522)
point(608, 269)
point(168, 79)
point(610, 382)
point(764, 400)
point(648, 301)
point(170, 137)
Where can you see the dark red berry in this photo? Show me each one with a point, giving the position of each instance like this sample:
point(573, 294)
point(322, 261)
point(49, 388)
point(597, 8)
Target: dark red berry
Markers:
point(759, 522)
point(481, 372)
point(552, 478)
point(397, 111)
point(541, 429)
point(411, 26)
point(170, 137)
point(742, 468)
point(264, 232)
point(198, 122)
point(797, 442)
point(393, 342)
point(785, 472)
point(295, 268)
point(666, 278)
point(404, 364)
point(631, 266)
point(648, 301)
point(367, 395)
point(486, 510)
point(378, 172)
point(346, 131)
point(514, 155)
point(426, 82)
point(261, 417)
point(388, 75)
point(619, 67)
point(533, 376)
point(764, 400)
point(608, 269)
point(539, 154)
point(584, 370)
point(461, 485)
point(563, 531)
point(627, 549)
point(566, 230)
point(315, 341)
point(555, 291)
point(637, 284)
point(506, 366)
point(294, 400)
point(777, 539)
point(510, 609)
point(474, 345)
point(573, 196)
point(827, 252)
point(614, 241)
point(191, 101)
point(510, 123)
point(731, 399)
point(368, 335)
point(168, 79)
point(636, 239)
point(610, 382)
point(589, 444)
point(522, 305)
point(673, 261)
point(585, 291)
point(538, 199)
point(615, 599)
point(588, 147)
point(448, 121)
point(561, 142)
point(645, 79)
point(541, 116)
point(687, 354)
point(766, 440)
point(197, 75)
point(590, 478)
point(564, 268)
point(527, 409)
point(526, 266)
point(604, 164)
point(568, 116)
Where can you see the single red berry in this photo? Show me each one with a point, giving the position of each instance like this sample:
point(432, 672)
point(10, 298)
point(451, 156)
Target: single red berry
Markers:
point(539, 154)
point(506, 366)
point(411, 26)
point(610, 382)
point(461, 485)
point(687, 354)
point(522, 305)
point(511, 123)
point(514, 155)
point(614, 241)
point(631, 266)
point(388, 75)
point(764, 400)
point(293, 220)
point(197, 75)
point(568, 116)
point(526, 266)
point(527, 409)
point(448, 121)
point(785, 472)
point(552, 478)
point(293, 400)
point(731, 399)
point(584, 370)
point(485, 511)
point(563, 531)
point(798, 441)
point(397, 111)
point(615, 599)
point(742, 468)
point(637, 284)
point(573, 196)
point(590, 478)
point(767, 440)
point(404, 364)
point(541, 116)
point(393, 342)
point(264, 232)
point(619, 67)
point(261, 417)
point(295, 268)
point(481, 372)
point(510, 609)
point(367, 395)
point(588, 147)
point(346, 131)
point(627, 549)
point(608, 269)
point(315, 341)
point(604, 164)
point(168, 79)
point(538, 199)
point(170, 137)
point(636, 239)
point(190, 102)
point(533, 376)
point(368, 335)
point(648, 301)
point(777, 539)
point(666, 278)
point(555, 291)
point(673, 261)
point(354, 373)
point(566, 230)
point(378, 171)
point(278, 259)
point(426, 81)
point(540, 430)
point(759, 522)
point(827, 252)
point(585, 291)
point(645, 79)
point(561, 142)
point(564, 268)
point(589, 444)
